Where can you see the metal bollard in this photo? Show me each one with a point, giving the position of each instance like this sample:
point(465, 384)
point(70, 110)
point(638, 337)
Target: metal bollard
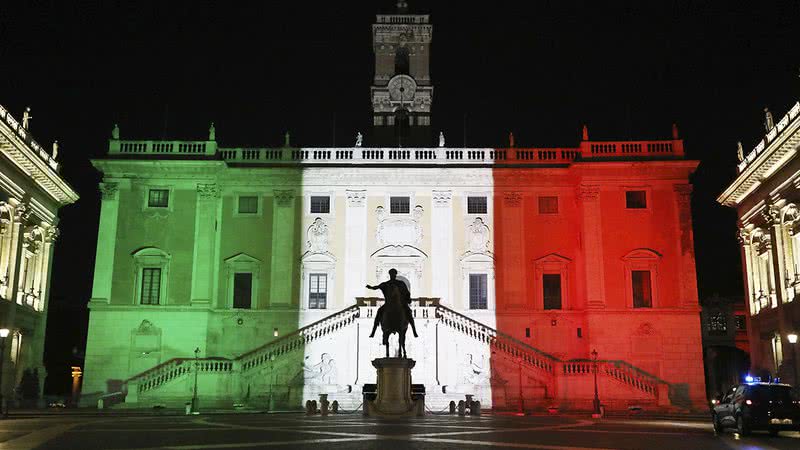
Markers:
point(475, 409)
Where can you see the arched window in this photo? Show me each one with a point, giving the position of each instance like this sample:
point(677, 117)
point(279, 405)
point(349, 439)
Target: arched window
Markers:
point(401, 61)
point(641, 278)
point(151, 266)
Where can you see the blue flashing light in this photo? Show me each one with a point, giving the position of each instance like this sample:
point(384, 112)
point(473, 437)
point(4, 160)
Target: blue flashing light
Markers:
point(749, 379)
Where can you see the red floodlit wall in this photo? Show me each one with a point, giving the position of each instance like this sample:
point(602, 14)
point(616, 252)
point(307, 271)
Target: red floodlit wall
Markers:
point(594, 243)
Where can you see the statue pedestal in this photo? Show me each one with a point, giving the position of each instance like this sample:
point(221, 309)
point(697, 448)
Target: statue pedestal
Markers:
point(394, 390)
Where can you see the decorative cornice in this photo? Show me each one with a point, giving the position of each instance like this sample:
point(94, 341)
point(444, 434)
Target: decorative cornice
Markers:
point(356, 199)
point(283, 197)
point(771, 214)
point(109, 190)
point(208, 191)
point(588, 192)
point(22, 212)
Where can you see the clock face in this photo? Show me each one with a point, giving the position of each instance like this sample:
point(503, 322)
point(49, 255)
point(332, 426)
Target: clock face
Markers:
point(402, 88)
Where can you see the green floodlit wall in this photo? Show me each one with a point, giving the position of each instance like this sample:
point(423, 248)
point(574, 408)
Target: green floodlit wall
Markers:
point(206, 240)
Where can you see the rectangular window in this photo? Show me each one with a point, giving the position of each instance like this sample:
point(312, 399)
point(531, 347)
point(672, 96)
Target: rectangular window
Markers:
point(548, 205)
point(378, 121)
point(389, 120)
point(551, 290)
point(248, 205)
point(527, 332)
point(636, 199)
point(320, 204)
point(399, 205)
point(741, 322)
point(318, 291)
point(476, 205)
point(717, 324)
point(242, 290)
point(151, 285)
point(158, 198)
point(642, 292)
point(478, 291)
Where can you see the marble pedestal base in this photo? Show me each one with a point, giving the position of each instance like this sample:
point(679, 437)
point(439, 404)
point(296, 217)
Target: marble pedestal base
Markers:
point(394, 390)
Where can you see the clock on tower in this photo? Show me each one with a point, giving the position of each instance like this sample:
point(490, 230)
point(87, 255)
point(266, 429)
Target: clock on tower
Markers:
point(402, 92)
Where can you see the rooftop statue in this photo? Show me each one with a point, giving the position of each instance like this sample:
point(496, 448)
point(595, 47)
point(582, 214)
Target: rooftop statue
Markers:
point(769, 122)
point(394, 316)
point(585, 135)
point(441, 139)
point(115, 132)
point(510, 139)
point(739, 151)
point(212, 132)
point(55, 149)
point(359, 139)
point(286, 140)
point(26, 118)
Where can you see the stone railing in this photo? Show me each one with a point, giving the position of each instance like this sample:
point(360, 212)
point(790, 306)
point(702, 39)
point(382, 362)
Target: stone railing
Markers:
point(23, 134)
point(184, 148)
point(298, 339)
point(596, 149)
point(618, 370)
point(175, 368)
point(770, 137)
point(511, 347)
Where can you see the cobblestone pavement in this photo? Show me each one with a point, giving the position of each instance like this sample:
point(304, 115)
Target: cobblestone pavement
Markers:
point(284, 431)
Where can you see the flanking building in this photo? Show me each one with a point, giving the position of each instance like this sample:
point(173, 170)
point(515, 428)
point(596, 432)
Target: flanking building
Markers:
point(766, 196)
point(245, 268)
point(31, 193)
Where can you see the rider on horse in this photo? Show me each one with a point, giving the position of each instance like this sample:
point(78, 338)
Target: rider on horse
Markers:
point(386, 288)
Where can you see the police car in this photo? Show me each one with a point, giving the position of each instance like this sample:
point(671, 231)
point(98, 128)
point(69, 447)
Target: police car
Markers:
point(757, 406)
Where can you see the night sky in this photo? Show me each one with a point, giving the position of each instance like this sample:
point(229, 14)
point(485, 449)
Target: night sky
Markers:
point(538, 68)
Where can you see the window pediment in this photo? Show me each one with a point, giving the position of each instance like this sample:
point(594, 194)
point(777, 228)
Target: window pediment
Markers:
point(642, 254)
point(552, 259)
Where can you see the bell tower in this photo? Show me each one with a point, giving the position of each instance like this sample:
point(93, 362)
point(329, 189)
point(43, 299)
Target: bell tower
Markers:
point(401, 90)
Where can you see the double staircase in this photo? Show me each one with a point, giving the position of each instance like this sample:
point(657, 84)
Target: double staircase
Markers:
point(232, 378)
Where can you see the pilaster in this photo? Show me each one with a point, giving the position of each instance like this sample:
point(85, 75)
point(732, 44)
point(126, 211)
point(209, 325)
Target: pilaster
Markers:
point(442, 246)
point(687, 274)
point(106, 243)
point(592, 231)
point(512, 264)
point(204, 244)
point(284, 234)
point(355, 252)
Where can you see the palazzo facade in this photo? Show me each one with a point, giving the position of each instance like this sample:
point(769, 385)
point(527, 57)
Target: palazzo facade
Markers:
point(248, 266)
point(766, 196)
point(31, 192)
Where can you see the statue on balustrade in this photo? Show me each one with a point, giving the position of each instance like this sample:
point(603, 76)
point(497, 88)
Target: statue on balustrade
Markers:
point(394, 316)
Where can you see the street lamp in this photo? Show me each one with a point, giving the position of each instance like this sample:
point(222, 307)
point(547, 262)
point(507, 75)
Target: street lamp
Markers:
point(3, 335)
point(596, 401)
point(792, 337)
point(196, 369)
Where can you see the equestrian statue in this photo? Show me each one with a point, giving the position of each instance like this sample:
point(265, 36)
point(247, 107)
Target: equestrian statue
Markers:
point(394, 316)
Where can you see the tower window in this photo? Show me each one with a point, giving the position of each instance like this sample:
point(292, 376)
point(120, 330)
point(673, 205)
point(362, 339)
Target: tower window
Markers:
point(401, 61)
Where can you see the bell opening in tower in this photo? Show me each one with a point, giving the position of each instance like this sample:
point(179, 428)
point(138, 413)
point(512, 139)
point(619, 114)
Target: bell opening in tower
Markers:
point(402, 61)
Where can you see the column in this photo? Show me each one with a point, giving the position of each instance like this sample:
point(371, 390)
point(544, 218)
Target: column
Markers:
point(284, 234)
point(510, 222)
point(204, 242)
point(106, 243)
point(688, 280)
point(355, 252)
point(6, 221)
point(750, 279)
point(442, 246)
point(772, 216)
point(21, 214)
point(592, 231)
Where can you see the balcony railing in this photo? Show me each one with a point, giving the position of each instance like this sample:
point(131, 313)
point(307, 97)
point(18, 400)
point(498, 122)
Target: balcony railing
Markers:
point(23, 134)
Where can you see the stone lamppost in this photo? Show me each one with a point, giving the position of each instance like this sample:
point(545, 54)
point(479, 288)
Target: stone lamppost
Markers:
point(596, 401)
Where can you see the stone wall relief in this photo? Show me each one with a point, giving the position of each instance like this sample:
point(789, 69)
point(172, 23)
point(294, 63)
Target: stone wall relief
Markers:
point(478, 237)
point(399, 229)
point(318, 237)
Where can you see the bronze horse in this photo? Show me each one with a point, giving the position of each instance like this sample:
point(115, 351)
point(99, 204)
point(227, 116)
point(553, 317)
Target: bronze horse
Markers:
point(393, 319)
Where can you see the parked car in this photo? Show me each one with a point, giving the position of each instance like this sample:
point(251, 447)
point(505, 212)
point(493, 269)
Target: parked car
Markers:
point(757, 406)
